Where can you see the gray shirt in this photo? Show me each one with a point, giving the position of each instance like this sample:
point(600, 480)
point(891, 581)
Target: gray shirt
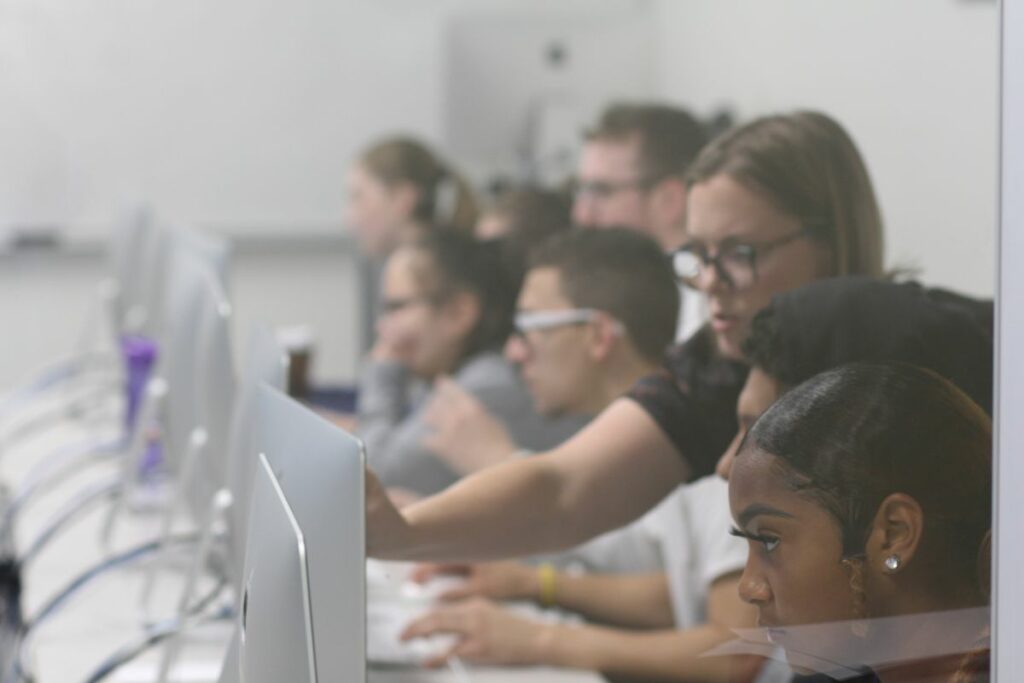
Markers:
point(392, 426)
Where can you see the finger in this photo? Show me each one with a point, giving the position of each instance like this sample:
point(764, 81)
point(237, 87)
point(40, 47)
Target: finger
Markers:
point(422, 573)
point(470, 650)
point(440, 660)
point(468, 589)
point(419, 628)
point(445, 620)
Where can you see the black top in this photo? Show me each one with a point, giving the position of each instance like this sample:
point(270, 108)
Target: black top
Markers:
point(817, 327)
point(693, 399)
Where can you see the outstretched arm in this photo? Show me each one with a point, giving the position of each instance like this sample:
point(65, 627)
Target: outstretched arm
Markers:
point(609, 474)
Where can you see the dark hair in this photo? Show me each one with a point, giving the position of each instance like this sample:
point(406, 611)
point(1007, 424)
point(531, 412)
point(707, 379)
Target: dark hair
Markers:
point(445, 198)
point(455, 263)
point(852, 436)
point(670, 138)
point(623, 273)
point(809, 167)
point(533, 214)
point(836, 321)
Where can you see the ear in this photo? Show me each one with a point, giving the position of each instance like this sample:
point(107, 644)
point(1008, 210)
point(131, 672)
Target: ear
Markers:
point(895, 534)
point(405, 196)
point(462, 310)
point(605, 335)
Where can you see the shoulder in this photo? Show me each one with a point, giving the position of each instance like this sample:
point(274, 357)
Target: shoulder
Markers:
point(495, 381)
point(486, 369)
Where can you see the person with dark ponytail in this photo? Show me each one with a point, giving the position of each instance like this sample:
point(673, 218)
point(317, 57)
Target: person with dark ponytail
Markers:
point(446, 311)
point(865, 495)
point(400, 190)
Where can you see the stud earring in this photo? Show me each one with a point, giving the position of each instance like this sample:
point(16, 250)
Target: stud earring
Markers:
point(892, 563)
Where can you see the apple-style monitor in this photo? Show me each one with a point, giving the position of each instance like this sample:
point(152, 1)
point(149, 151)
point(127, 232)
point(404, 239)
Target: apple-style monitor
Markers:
point(265, 361)
point(273, 639)
point(321, 470)
point(215, 397)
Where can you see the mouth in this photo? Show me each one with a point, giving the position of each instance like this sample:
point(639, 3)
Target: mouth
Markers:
point(721, 323)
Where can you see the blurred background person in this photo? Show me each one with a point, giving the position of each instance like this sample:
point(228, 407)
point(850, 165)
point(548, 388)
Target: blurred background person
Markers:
point(525, 215)
point(396, 191)
point(632, 173)
point(447, 310)
point(594, 316)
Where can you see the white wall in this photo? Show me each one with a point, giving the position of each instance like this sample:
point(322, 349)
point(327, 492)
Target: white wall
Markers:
point(240, 115)
point(236, 115)
point(914, 81)
point(243, 116)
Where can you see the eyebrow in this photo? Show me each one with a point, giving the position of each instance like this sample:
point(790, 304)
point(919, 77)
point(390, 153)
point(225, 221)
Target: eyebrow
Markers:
point(726, 242)
point(759, 510)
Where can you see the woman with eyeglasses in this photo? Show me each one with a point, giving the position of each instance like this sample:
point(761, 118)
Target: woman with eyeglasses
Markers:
point(446, 310)
point(771, 205)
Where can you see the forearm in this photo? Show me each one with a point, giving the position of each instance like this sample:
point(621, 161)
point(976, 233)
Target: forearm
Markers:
point(607, 475)
point(629, 601)
point(503, 511)
point(645, 656)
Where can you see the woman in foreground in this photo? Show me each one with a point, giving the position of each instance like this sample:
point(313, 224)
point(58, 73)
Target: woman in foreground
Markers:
point(865, 496)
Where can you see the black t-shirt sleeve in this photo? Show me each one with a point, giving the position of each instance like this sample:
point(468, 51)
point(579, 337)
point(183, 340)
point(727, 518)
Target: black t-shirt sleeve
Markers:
point(693, 401)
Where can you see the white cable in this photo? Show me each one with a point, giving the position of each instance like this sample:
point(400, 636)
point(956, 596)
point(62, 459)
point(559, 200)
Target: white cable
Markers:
point(459, 669)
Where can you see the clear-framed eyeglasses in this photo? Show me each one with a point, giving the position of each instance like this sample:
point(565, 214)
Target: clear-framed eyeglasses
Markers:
point(537, 321)
point(601, 190)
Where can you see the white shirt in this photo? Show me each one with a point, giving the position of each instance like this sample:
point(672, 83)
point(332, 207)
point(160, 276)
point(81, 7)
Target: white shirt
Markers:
point(692, 527)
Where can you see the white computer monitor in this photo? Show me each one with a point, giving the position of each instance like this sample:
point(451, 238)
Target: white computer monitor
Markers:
point(216, 394)
point(273, 639)
point(265, 361)
point(321, 471)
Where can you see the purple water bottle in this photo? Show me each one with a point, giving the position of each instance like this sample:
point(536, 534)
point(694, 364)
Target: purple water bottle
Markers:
point(139, 355)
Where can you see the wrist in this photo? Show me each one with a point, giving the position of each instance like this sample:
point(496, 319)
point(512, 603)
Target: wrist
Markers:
point(527, 583)
point(547, 585)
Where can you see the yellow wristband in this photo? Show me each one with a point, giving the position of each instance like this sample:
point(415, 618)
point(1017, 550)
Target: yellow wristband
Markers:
point(546, 576)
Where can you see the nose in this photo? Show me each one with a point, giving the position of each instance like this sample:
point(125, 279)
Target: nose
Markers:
point(516, 349)
point(753, 588)
point(710, 280)
point(724, 465)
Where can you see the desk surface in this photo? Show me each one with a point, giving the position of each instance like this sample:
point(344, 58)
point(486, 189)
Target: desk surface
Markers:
point(106, 615)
